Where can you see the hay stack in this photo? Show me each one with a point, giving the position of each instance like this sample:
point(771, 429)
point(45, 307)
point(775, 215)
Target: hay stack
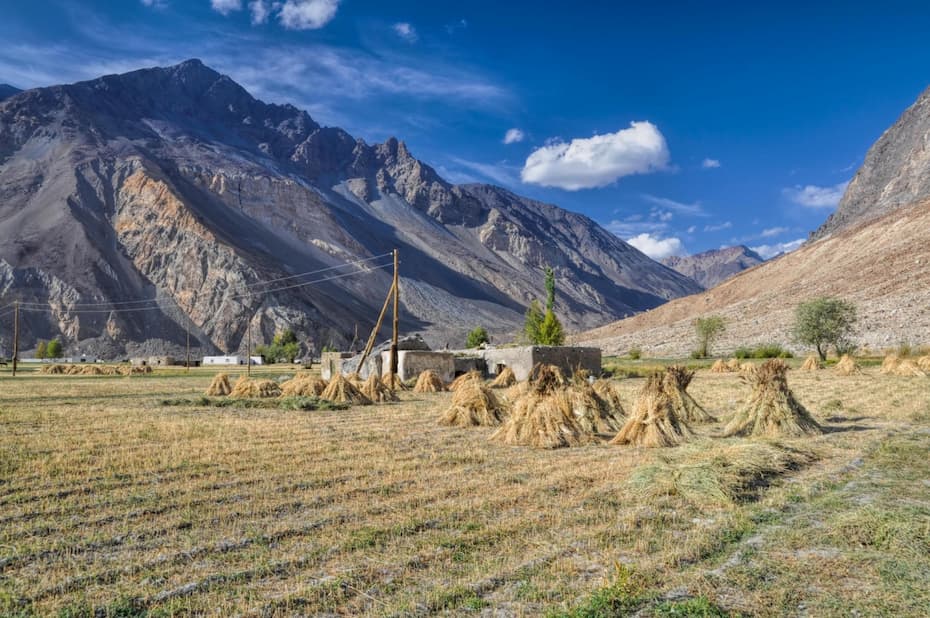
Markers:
point(474, 404)
point(341, 390)
point(720, 366)
point(847, 366)
point(812, 363)
point(909, 368)
point(464, 378)
point(303, 385)
point(429, 382)
point(53, 369)
point(91, 370)
point(547, 378)
point(394, 383)
point(772, 410)
point(505, 379)
point(653, 421)
point(890, 364)
point(733, 364)
point(219, 387)
point(376, 390)
point(244, 388)
point(73, 370)
point(675, 382)
point(610, 395)
point(592, 412)
point(924, 363)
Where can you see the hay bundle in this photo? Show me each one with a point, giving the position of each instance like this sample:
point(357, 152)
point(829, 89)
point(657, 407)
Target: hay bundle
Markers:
point(592, 412)
point(53, 369)
point(244, 388)
point(720, 366)
point(653, 421)
point(924, 363)
point(517, 390)
point(110, 370)
point(376, 390)
point(303, 385)
point(771, 409)
point(394, 383)
point(812, 363)
point(356, 380)
point(73, 370)
point(91, 370)
point(473, 404)
point(219, 386)
point(542, 420)
point(675, 382)
point(341, 390)
point(890, 364)
point(505, 379)
point(909, 368)
point(429, 382)
point(464, 378)
point(733, 364)
point(847, 366)
point(547, 378)
point(610, 396)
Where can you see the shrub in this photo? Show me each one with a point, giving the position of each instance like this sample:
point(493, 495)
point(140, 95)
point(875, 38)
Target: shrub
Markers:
point(41, 349)
point(823, 322)
point(476, 337)
point(53, 349)
point(635, 353)
point(742, 353)
point(708, 329)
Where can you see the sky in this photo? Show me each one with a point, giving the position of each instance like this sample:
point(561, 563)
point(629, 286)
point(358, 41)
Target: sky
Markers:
point(680, 127)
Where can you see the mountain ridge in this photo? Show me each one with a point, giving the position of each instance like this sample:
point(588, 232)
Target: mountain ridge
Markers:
point(712, 267)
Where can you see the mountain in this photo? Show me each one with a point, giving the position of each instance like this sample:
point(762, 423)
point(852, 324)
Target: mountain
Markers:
point(6, 91)
point(176, 186)
point(874, 251)
point(712, 267)
point(895, 173)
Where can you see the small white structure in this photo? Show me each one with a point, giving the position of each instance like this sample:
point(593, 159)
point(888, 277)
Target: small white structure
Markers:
point(83, 358)
point(230, 360)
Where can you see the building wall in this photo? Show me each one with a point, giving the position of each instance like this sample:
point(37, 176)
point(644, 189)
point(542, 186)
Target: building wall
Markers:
point(411, 363)
point(522, 360)
point(331, 362)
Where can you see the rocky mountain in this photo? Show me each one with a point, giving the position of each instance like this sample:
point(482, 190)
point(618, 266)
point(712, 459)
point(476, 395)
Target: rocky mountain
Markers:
point(6, 91)
point(175, 191)
point(895, 173)
point(712, 267)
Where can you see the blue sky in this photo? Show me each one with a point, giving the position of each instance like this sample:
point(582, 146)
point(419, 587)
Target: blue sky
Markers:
point(684, 128)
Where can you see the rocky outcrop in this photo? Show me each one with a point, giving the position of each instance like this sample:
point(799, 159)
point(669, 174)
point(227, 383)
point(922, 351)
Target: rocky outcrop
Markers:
point(6, 91)
point(174, 191)
point(895, 173)
point(712, 267)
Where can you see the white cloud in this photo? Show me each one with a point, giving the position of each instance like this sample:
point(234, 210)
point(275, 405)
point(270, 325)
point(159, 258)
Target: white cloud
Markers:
point(406, 31)
point(692, 229)
point(719, 227)
point(769, 251)
point(772, 231)
point(157, 4)
point(657, 248)
point(663, 215)
point(260, 10)
point(307, 14)
point(813, 196)
point(225, 7)
point(502, 174)
point(586, 163)
point(682, 208)
point(512, 136)
point(710, 164)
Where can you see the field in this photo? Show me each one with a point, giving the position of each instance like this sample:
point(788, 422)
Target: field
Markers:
point(115, 504)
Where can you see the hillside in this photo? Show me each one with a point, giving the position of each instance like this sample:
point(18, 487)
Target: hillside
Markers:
point(176, 187)
point(712, 267)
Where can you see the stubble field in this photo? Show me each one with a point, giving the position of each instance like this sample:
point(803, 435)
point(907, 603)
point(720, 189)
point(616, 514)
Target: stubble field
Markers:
point(112, 503)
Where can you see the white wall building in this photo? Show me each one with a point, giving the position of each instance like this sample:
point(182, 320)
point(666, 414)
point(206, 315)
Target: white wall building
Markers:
point(230, 360)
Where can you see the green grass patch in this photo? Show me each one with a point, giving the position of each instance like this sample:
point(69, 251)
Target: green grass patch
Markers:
point(270, 403)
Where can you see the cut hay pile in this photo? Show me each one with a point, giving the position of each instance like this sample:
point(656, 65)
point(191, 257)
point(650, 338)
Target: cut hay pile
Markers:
point(675, 382)
point(464, 378)
point(376, 390)
point(91, 370)
point(733, 364)
point(544, 416)
point(303, 385)
point(924, 363)
point(720, 366)
point(341, 390)
point(505, 379)
point(653, 422)
point(909, 368)
point(219, 387)
point(812, 363)
point(847, 366)
point(53, 369)
point(890, 364)
point(772, 410)
point(592, 412)
point(245, 388)
point(610, 395)
point(429, 382)
point(474, 404)
point(395, 383)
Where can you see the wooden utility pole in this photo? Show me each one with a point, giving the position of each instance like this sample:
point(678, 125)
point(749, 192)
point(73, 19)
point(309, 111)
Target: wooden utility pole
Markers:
point(248, 359)
point(374, 333)
point(188, 364)
point(15, 336)
point(396, 320)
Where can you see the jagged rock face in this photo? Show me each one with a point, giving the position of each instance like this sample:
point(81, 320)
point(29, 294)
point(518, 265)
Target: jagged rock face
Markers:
point(895, 173)
point(715, 266)
point(174, 185)
point(6, 91)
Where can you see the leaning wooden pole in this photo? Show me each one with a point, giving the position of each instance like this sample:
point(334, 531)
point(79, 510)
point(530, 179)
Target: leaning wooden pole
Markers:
point(248, 358)
point(187, 365)
point(374, 333)
point(15, 336)
point(396, 319)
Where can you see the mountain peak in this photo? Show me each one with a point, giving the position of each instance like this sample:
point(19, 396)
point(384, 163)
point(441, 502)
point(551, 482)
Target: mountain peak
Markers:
point(6, 91)
point(716, 265)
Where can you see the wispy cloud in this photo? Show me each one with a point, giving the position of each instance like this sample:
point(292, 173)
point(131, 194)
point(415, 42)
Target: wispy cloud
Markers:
point(693, 209)
point(718, 227)
point(260, 11)
point(710, 164)
point(225, 7)
point(769, 251)
point(773, 231)
point(813, 196)
point(512, 136)
point(501, 173)
point(406, 31)
point(307, 14)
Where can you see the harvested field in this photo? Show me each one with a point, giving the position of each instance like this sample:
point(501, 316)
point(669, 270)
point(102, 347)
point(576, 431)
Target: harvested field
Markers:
point(111, 501)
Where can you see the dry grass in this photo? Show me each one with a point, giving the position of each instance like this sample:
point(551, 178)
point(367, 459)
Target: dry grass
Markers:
point(847, 366)
point(303, 385)
point(654, 421)
point(675, 382)
point(464, 379)
point(812, 363)
point(219, 386)
point(505, 379)
point(611, 396)
point(247, 388)
point(429, 382)
point(378, 391)
point(720, 366)
point(474, 405)
point(889, 364)
point(342, 390)
point(771, 410)
point(909, 368)
point(924, 363)
point(113, 504)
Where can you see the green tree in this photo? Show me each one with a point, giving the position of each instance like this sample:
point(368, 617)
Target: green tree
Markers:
point(41, 349)
point(476, 337)
point(550, 330)
point(533, 322)
point(823, 322)
point(53, 349)
point(550, 289)
point(708, 330)
point(284, 346)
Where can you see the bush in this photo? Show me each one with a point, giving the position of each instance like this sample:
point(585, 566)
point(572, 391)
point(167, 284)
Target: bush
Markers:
point(53, 349)
point(708, 329)
point(695, 354)
point(771, 350)
point(742, 353)
point(823, 322)
point(476, 337)
point(635, 353)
